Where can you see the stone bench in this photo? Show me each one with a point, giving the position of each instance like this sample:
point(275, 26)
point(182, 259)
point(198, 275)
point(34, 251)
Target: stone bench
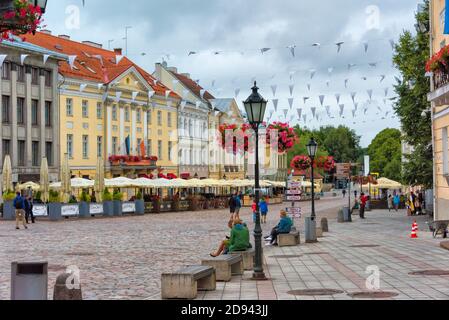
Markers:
point(225, 266)
point(185, 283)
point(289, 239)
point(248, 258)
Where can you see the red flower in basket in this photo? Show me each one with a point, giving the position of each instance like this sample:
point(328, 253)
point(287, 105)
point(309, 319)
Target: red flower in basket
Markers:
point(301, 163)
point(286, 136)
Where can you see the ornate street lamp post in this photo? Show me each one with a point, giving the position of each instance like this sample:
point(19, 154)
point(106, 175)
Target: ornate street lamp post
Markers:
point(255, 107)
point(312, 148)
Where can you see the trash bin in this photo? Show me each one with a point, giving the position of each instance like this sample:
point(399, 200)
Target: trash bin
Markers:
point(310, 230)
point(347, 214)
point(29, 281)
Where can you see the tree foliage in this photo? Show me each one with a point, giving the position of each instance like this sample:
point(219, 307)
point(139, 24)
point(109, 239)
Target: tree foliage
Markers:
point(411, 106)
point(385, 154)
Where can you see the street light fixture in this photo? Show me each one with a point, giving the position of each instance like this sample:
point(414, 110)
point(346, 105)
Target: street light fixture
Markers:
point(255, 107)
point(312, 148)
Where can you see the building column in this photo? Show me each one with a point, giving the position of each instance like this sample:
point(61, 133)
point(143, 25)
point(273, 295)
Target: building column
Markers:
point(28, 120)
point(133, 130)
point(14, 116)
point(41, 107)
point(56, 140)
point(108, 127)
point(145, 126)
point(121, 108)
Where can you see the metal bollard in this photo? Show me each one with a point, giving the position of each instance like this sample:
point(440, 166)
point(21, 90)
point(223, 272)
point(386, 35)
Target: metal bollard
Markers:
point(310, 230)
point(324, 225)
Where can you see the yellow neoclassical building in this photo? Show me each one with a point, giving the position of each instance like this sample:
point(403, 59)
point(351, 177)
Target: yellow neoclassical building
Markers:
point(112, 108)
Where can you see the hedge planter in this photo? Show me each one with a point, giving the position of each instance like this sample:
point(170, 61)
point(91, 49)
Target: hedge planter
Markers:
point(84, 210)
point(54, 211)
point(9, 212)
point(108, 208)
point(140, 207)
point(118, 210)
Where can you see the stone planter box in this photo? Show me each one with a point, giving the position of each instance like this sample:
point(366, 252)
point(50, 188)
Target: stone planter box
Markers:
point(84, 210)
point(108, 208)
point(118, 210)
point(54, 211)
point(140, 207)
point(9, 212)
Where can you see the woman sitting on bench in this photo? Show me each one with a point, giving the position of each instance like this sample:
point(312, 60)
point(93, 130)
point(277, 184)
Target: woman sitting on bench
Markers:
point(239, 240)
point(284, 226)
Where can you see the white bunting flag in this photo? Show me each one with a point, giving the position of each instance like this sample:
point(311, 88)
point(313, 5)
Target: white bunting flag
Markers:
point(263, 50)
point(72, 61)
point(339, 44)
point(365, 45)
point(382, 77)
point(346, 83)
point(385, 101)
point(299, 110)
point(273, 89)
point(83, 86)
point(290, 102)
point(337, 96)
point(292, 73)
point(392, 44)
point(350, 66)
point(134, 95)
point(237, 91)
point(353, 113)
point(285, 113)
point(202, 92)
point(118, 95)
point(99, 86)
point(386, 92)
point(309, 86)
point(183, 104)
point(167, 93)
point(275, 104)
point(356, 106)
point(342, 109)
point(330, 70)
point(150, 94)
point(2, 59)
point(322, 99)
point(370, 94)
point(305, 99)
point(364, 78)
point(118, 58)
point(304, 116)
point(312, 73)
point(328, 82)
point(292, 50)
point(291, 87)
point(373, 64)
point(353, 94)
point(22, 58)
point(313, 109)
point(317, 44)
point(327, 109)
point(45, 58)
point(213, 83)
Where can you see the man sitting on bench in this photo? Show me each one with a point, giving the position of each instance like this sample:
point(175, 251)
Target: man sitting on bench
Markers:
point(284, 226)
point(239, 240)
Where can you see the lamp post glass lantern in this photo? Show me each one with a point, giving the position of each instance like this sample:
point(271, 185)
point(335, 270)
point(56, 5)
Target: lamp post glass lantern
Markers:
point(312, 148)
point(255, 107)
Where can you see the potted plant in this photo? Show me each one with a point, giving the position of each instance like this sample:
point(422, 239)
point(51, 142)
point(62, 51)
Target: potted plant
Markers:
point(84, 204)
point(117, 198)
point(108, 208)
point(54, 206)
point(140, 204)
point(8, 207)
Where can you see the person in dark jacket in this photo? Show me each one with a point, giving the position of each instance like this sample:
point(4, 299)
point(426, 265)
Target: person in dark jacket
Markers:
point(232, 205)
point(29, 210)
point(263, 205)
point(19, 205)
point(284, 226)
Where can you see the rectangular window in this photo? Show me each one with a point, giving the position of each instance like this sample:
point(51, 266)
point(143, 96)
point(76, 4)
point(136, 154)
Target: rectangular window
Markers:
point(85, 108)
point(159, 149)
point(35, 76)
point(114, 112)
point(114, 145)
point(149, 148)
point(99, 110)
point(139, 141)
point(99, 146)
point(34, 112)
point(6, 71)
point(70, 145)
point(69, 107)
point(20, 73)
point(170, 146)
point(48, 114)
point(169, 119)
point(20, 110)
point(21, 153)
point(85, 147)
point(159, 118)
point(445, 152)
point(35, 153)
point(138, 116)
point(49, 153)
point(6, 107)
point(127, 114)
point(47, 75)
point(6, 149)
point(149, 117)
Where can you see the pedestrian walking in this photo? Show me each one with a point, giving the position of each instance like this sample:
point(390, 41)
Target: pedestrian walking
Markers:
point(396, 202)
point(263, 206)
point(254, 208)
point(390, 202)
point(232, 204)
point(238, 206)
point(29, 210)
point(19, 205)
point(363, 201)
point(355, 194)
point(344, 193)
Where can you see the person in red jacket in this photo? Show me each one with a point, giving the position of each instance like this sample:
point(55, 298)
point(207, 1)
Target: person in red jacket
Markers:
point(363, 201)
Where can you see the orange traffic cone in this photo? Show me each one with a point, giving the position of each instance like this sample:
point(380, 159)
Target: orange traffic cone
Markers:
point(414, 233)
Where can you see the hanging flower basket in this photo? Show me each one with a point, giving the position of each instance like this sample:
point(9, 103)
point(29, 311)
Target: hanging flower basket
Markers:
point(242, 138)
point(326, 163)
point(23, 18)
point(286, 136)
point(301, 163)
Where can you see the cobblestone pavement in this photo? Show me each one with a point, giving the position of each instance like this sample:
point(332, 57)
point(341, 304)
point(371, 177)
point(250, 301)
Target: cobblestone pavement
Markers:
point(333, 263)
point(121, 258)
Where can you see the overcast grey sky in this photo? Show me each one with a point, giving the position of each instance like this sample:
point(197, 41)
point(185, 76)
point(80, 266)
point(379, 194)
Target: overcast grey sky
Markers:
point(238, 29)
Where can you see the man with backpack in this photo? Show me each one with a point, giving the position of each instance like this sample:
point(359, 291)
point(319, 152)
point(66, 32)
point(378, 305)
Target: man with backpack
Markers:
point(19, 205)
point(29, 210)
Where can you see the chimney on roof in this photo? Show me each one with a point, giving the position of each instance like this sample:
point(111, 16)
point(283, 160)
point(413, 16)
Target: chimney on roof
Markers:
point(173, 69)
point(118, 51)
point(46, 31)
point(63, 36)
point(186, 75)
point(93, 44)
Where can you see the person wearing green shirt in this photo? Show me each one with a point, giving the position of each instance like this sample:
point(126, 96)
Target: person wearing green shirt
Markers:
point(238, 241)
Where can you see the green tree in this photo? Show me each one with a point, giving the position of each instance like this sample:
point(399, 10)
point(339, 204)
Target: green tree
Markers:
point(385, 154)
point(340, 142)
point(411, 106)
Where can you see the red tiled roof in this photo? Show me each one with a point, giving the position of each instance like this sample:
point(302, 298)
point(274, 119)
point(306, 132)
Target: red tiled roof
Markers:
point(87, 58)
point(193, 86)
